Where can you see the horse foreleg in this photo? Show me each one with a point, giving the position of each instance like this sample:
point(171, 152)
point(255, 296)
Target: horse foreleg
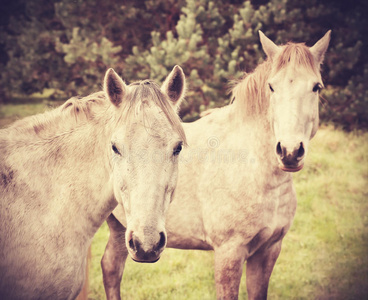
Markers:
point(113, 260)
point(259, 269)
point(229, 263)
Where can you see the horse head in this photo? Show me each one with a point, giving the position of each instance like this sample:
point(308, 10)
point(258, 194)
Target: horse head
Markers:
point(144, 149)
point(294, 84)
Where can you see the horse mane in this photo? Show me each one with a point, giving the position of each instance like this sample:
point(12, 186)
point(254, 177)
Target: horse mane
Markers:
point(95, 106)
point(77, 107)
point(82, 106)
point(251, 94)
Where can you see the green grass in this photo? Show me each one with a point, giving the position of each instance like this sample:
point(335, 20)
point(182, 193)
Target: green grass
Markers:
point(324, 255)
point(12, 112)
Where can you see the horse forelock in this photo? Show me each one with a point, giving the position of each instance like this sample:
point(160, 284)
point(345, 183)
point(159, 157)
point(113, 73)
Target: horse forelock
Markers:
point(145, 92)
point(296, 56)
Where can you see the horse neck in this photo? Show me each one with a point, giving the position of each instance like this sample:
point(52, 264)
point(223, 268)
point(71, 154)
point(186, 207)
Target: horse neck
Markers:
point(88, 145)
point(69, 168)
point(250, 114)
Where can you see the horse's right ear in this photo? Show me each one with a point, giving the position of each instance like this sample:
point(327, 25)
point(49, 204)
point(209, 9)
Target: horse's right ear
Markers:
point(114, 87)
point(319, 49)
point(269, 47)
point(174, 86)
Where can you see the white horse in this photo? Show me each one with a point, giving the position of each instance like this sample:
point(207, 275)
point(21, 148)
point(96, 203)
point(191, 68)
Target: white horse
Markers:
point(234, 194)
point(63, 172)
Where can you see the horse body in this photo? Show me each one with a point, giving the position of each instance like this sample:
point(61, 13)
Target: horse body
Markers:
point(44, 230)
point(61, 176)
point(243, 202)
point(235, 194)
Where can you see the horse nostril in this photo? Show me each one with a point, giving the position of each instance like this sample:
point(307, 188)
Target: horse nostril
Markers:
point(135, 244)
point(301, 150)
point(131, 245)
point(162, 241)
point(278, 149)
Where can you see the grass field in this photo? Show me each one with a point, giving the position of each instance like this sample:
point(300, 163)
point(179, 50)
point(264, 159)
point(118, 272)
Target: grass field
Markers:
point(324, 255)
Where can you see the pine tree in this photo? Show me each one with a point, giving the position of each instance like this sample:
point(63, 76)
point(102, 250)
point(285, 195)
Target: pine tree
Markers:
point(185, 49)
point(68, 45)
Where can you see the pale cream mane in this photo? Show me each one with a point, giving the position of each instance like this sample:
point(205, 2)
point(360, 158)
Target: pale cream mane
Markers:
point(251, 93)
point(67, 115)
point(95, 107)
point(83, 107)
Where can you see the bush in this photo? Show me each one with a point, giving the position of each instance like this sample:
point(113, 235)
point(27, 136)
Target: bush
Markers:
point(68, 46)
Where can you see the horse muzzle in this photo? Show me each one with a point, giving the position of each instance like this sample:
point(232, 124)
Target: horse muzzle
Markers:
point(148, 252)
point(290, 156)
point(291, 168)
point(145, 261)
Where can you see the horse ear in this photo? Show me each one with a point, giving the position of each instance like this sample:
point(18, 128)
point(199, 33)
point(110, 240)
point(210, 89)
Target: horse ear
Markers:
point(319, 49)
point(174, 86)
point(114, 87)
point(269, 47)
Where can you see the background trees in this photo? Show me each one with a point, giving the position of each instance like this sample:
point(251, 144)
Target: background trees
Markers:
point(68, 45)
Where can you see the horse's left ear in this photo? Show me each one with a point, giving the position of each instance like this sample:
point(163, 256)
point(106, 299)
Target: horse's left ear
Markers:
point(114, 87)
point(174, 86)
point(319, 49)
point(269, 47)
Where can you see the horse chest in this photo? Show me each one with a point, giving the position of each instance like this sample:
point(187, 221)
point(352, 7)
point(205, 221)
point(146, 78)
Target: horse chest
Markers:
point(48, 266)
point(247, 213)
point(41, 280)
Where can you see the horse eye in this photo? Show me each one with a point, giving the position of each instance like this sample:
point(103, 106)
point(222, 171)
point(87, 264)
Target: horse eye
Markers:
point(177, 150)
point(317, 87)
point(115, 149)
point(270, 86)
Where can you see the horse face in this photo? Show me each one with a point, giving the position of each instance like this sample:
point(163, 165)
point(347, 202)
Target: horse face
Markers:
point(294, 85)
point(144, 155)
point(145, 168)
point(294, 116)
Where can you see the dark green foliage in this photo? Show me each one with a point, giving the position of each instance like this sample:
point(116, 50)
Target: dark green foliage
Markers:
point(68, 45)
